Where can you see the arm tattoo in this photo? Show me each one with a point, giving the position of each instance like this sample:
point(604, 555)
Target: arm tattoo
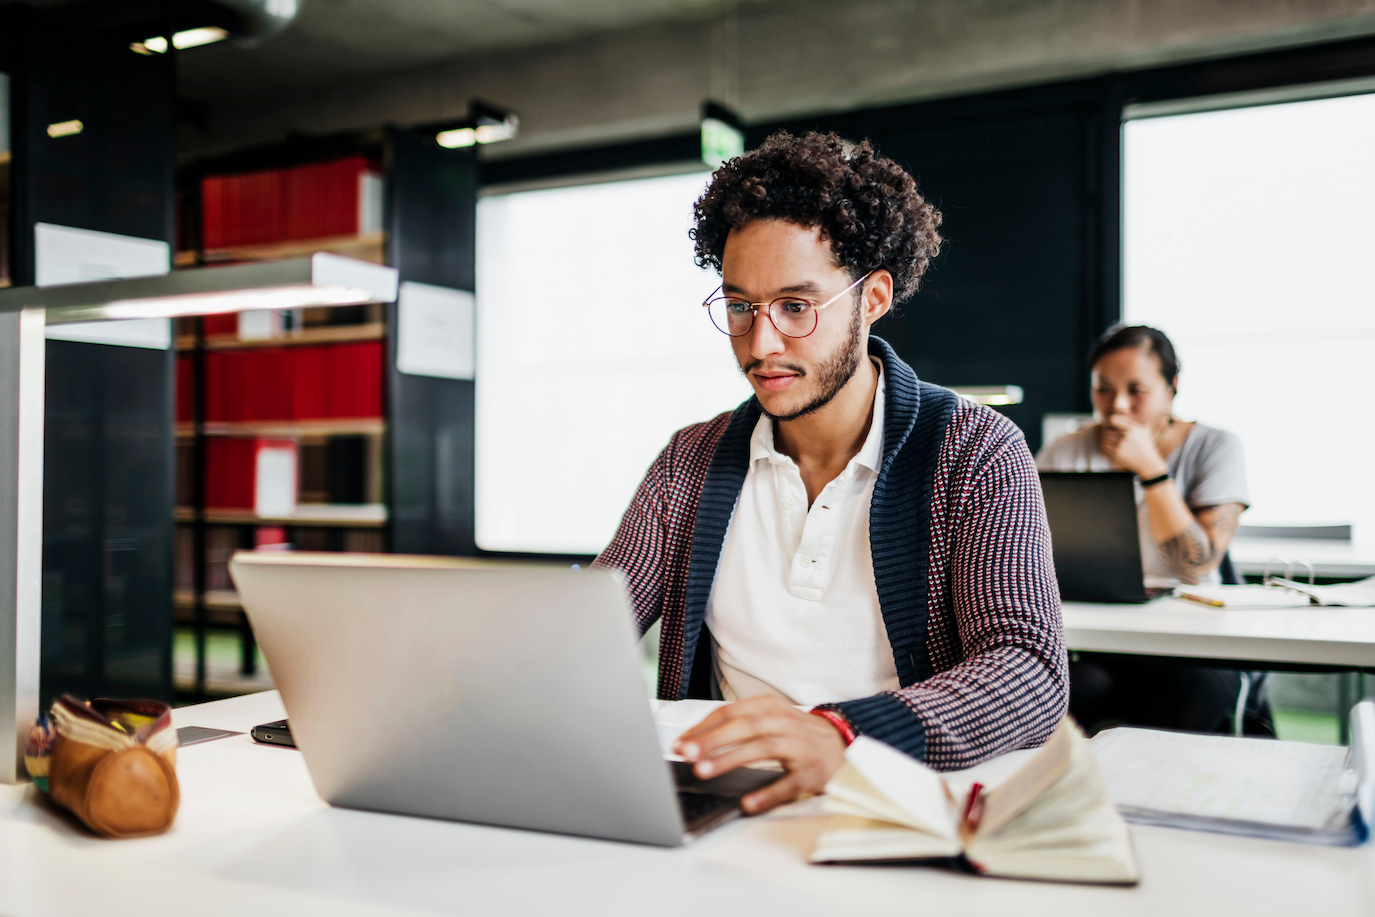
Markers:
point(1194, 552)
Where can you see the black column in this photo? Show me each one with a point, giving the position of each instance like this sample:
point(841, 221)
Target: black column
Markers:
point(431, 232)
point(108, 461)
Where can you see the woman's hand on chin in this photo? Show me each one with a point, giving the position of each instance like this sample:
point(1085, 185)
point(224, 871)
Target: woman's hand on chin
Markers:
point(1130, 446)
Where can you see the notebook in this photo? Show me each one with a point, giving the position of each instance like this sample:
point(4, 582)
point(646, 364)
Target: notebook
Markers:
point(1294, 791)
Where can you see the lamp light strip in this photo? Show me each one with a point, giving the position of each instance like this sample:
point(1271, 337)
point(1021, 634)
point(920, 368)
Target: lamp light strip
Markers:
point(990, 394)
point(289, 297)
point(65, 129)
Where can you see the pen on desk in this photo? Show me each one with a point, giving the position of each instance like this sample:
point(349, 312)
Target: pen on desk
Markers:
point(1201, 600)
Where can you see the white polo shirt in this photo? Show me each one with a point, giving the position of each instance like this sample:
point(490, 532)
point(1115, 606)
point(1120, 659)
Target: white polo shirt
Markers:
point(793, 609)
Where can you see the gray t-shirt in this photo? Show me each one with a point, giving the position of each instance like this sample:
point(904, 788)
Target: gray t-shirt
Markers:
point(1208, 470)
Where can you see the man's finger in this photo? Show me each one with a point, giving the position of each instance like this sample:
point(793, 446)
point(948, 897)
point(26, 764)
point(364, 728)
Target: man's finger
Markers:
point(755, 706)
point(764, 748)
point(735, 731)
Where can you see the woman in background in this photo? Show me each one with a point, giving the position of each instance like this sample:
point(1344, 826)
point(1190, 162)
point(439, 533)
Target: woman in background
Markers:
point(1191, 491)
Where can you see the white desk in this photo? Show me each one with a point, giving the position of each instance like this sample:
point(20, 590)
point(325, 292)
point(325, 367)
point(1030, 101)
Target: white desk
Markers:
point(252, 837)
point(1175, 627)
point(1329, 557)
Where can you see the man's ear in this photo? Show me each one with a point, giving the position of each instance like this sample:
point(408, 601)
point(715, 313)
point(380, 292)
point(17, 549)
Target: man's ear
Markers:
point(878, 296)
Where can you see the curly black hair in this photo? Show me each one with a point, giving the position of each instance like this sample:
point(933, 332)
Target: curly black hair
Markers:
point(867, 206)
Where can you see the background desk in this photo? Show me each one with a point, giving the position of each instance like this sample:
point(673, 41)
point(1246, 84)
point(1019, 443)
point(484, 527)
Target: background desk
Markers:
point(1342, 637)
point(252, 837)
point(1329, 557)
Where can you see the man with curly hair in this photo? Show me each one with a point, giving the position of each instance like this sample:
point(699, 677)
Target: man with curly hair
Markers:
point(850, 539)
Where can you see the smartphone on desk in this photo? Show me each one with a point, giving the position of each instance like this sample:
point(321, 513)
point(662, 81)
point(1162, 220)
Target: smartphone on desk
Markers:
point(278, 733)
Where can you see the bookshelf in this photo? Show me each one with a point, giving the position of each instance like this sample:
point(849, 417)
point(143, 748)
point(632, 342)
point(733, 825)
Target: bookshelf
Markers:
point(365, 246)
point(402, 466)
point(280, 416)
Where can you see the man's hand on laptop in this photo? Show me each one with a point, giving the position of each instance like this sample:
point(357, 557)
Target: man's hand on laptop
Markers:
point(766, 728)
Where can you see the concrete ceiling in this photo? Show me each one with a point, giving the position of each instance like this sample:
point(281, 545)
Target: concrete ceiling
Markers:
point(338, 40)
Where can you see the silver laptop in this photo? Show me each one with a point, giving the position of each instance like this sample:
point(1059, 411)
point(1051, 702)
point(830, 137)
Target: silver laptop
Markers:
point(477, 691)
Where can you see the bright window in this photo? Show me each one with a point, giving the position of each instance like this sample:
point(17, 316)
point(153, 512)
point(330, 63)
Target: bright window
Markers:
point(592, 349)
point(1248, 239)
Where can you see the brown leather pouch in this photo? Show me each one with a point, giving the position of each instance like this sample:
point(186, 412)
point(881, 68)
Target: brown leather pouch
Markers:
point(113, 765)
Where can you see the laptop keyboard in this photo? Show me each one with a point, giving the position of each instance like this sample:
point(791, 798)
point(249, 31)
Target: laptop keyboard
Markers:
point(699, 806)
point(705, 802)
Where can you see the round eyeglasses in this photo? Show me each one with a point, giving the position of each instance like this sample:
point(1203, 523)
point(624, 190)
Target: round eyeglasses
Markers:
point(793, 316)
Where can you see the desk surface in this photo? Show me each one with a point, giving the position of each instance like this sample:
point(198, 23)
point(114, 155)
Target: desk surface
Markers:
point(1176, 627)
point(253, 836)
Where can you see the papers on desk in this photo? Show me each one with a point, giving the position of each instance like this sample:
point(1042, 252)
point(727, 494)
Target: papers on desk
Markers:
point(1279, 592)
point(1251, 596)
point(1359, 593)
point(1316, 794)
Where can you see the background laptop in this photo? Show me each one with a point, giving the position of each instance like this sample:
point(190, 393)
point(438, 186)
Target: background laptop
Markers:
point(497, 693)
point(1094, 535)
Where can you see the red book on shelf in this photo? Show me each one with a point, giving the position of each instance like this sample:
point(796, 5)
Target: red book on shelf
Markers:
point(357, 375)
point(244, 209)
point(257, 474)
point(295, 383)
point(310, 382)
point(216, 388)
point(220, 324)
point(305, 202)
point(259, 374)
point(322, 198)
point(229, 473)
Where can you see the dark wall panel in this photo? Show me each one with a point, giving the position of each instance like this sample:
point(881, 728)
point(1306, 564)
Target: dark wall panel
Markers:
point(108, 530)
point(431, 228)
point(107, 541)
point(1003, 303)
point(117, 174)
point(1016, 296)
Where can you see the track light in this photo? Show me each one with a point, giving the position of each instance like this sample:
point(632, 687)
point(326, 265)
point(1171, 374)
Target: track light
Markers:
point(486, 124)
point(190, 38)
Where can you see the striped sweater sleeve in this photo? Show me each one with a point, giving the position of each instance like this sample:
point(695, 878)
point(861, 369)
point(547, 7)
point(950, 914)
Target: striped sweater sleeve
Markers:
point(637, 549)
point(994, 631)
point(652, 542)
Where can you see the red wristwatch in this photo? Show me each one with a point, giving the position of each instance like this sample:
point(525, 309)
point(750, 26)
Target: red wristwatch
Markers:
point(842, 725)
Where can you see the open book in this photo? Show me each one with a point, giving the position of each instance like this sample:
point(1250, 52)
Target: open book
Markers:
point(1278, 592)
point(1051, 819)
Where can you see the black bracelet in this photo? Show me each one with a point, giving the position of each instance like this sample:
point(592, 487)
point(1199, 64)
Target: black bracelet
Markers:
point(1158, 480)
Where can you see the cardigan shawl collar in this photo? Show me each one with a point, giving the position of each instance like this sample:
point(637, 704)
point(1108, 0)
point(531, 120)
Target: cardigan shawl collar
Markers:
point(916, 415)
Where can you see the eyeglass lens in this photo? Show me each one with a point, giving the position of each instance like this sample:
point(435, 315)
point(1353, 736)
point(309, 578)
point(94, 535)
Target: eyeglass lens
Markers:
point(792, 317)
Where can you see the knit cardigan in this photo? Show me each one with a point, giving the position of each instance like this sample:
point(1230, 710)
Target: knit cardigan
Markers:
point(962, 566)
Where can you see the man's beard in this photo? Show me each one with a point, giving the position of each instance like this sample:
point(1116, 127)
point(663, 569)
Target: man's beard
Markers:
point(832, 375)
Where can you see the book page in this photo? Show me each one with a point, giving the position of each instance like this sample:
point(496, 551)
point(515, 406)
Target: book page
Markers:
point(894, 786)
point(1033, 780)
point(1360, 593)
point(855, 838)
point(1055, 820)
point(1285, 784)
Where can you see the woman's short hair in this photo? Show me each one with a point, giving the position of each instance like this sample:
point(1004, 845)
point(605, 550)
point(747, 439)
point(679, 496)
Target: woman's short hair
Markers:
point(1126, 337)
